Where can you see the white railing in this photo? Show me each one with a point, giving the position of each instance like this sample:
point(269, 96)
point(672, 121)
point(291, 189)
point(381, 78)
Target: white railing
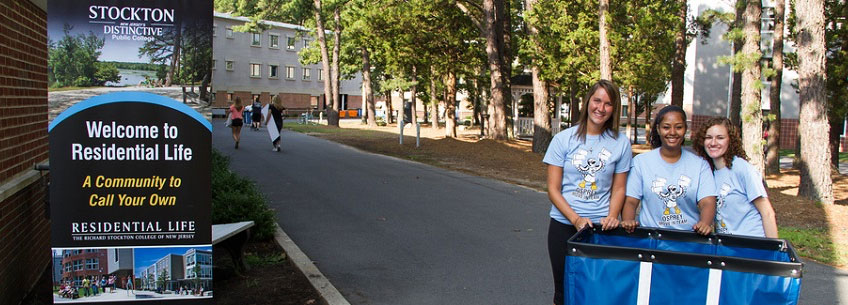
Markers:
point(524, 127)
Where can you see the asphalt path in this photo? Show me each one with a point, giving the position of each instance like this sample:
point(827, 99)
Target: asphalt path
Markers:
point(390, 231)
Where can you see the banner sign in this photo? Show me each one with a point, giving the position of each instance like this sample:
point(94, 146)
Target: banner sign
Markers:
point(131, 170)
point(130, 155)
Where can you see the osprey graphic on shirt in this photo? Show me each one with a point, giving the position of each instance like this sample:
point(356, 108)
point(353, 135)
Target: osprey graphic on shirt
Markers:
point(669, 193)
point(589, 167)
point(721, 227)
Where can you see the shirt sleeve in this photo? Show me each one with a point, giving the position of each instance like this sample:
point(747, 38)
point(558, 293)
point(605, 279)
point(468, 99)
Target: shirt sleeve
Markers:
point(623, 164)
point(634, 181)
point(751, 181)
point(556, 151)
point(706, 180)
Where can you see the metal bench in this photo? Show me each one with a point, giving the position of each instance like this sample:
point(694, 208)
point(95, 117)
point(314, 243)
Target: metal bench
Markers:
point(233, 237)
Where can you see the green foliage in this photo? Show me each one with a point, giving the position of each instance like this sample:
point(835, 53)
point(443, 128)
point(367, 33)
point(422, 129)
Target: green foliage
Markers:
point(235, 198)
point(72, 61)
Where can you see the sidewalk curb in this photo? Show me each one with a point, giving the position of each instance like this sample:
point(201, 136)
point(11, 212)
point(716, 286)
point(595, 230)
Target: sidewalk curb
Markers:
point(328, 292)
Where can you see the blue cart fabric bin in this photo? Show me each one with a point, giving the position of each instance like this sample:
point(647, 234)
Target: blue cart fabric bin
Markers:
point(655, 266)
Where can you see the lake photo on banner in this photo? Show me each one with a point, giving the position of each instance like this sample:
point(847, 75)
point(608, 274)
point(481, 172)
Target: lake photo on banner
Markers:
point(132, 77)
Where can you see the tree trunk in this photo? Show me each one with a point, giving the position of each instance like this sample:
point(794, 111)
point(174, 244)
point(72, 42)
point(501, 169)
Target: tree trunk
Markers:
point(678, 67)
point(450, 103)
point(630, 106)
point(413, 115)
point(175, 56)
point(574, 108)
point(773, 154)
point(368, 93)
point(332, 111)
point(736, 85)
point(648, 108)
point(606, 70)
point(752, 115)
point(541, 118)
point(334, 69)
point(494, 47)
point(813, 127)
point(389, 110)
point(434, 100)
point(204, 87)
point(836, 127)
point(635, 118)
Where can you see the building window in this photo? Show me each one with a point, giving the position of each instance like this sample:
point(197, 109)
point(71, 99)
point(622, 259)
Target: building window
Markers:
point(92, 264)
point(274, 41)
point(290, 72)
point(306, 43)
point(77, 265)
point(320, 74)
point(255, 70)
point(306, 74)
point(272, 71)
point(290, 43)
point(229, 32)
point(229, 65)
point(257, 39)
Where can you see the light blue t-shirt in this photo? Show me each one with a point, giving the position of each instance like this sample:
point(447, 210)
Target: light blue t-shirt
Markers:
point(738, 186)
point(587, 170)
point(670, 191)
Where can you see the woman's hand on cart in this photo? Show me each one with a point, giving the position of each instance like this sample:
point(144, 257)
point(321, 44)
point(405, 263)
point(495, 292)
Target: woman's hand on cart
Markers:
point(609, 223)
point(582, 222)
point(703, 228)
point(629, 225)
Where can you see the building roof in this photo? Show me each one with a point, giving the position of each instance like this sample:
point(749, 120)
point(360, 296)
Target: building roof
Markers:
point(271, 23)
point(521, 80)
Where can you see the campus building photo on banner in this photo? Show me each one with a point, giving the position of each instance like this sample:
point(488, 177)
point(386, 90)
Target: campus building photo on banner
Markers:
point(130, 198)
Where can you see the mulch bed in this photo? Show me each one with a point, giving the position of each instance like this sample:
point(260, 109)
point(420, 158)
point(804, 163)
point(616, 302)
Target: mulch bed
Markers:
point(270, 281)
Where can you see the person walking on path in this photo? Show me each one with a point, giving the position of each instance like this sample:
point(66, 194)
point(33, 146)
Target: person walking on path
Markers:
point(587, 172)
point(742, 207)
point(130, 288)
point(674, 186)
point(256, 113)
point(235, 113)
point(275, 110)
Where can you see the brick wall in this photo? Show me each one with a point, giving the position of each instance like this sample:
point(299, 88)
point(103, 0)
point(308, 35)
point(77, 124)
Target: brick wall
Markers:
point(788, 130)
point(24, 229)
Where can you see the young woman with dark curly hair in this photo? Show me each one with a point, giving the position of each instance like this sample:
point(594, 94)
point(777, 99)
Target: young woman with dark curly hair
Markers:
point(743, 207)
point(674, 186)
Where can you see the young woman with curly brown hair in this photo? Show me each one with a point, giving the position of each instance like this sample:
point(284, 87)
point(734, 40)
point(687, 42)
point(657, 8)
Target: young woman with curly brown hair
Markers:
point(743, 207)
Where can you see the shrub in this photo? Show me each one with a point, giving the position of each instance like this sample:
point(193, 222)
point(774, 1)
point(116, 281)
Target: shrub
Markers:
point(235, 199)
